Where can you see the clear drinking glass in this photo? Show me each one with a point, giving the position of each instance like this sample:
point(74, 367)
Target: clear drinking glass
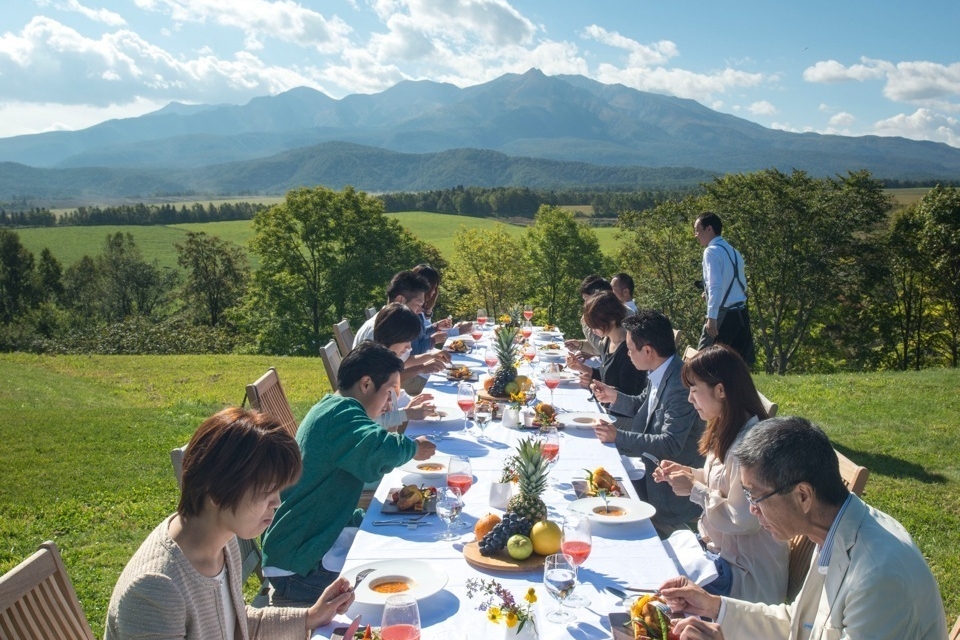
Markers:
point(460, 475)
point(551, 378)
point(481, 317)
point(528, 311)
point(490, 359)
point(576, 542)
point(560, 579)
point(482, 413)
point(466, 400)
point(449, 507)
point(401, 618)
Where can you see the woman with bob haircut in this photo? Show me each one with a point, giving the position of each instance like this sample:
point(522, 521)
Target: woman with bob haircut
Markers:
point(185, 579)
point(603, 314)
point(751, 564)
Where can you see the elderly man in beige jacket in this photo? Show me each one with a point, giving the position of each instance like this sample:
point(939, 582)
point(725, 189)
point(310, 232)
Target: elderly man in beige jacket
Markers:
point(867, 578)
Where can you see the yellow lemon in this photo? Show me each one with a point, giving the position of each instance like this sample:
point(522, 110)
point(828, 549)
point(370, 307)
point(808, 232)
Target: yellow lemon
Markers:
point(545, 536)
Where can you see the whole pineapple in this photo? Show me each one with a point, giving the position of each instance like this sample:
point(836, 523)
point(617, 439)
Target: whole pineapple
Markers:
point(506, 355)
point(532, 482)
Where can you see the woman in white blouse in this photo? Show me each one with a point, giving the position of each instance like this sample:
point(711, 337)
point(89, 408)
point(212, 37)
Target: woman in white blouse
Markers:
point(751, 564)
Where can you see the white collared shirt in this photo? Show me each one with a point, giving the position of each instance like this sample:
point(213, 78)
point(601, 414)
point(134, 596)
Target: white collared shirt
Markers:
point(655, 377)
point(718, 274)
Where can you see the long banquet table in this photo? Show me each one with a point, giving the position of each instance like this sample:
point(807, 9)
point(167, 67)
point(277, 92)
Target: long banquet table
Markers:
point(626, 554)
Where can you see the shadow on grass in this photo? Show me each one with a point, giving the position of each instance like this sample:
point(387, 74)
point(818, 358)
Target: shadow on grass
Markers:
point(890, 466)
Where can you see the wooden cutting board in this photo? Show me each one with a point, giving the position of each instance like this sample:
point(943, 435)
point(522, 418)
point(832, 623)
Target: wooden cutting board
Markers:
point(500, 561)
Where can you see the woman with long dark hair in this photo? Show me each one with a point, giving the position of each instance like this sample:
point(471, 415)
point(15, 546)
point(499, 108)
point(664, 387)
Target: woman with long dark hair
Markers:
point(750, 563)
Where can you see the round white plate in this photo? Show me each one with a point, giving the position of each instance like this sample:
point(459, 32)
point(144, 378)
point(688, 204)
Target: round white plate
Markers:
point(636, 510)
point(441, 414)
point(580, 419)
point(549, 336)
point(424, 579)
point(414, 466)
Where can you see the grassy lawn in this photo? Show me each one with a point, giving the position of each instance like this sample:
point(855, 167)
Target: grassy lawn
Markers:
point(86, 442)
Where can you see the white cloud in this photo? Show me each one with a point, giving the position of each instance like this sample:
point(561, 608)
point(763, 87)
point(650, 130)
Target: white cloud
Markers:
point(763, 108)
point(105, 16)
point(825, 108)
point(259, 19)
point(20, 118)
point(493, 22)
point(640, 55)
point(923, 124)
point(841, 120)
point(831, 71)
point(913, 81)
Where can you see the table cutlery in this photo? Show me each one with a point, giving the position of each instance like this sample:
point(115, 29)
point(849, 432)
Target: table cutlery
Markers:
point(360, 578)
point(652, 458)
point(352, 629)
point(623, 595)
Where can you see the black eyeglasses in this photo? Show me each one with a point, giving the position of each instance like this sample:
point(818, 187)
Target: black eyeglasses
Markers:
point(756, 502)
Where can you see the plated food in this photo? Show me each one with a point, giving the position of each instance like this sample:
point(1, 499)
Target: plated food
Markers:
point(614, 510)
point(461, 373)
point(435, 467)
point(545, 415)
point(580, 419)
point(456, 346)
point(391, 576)
point(411, 499)
point(599, 480)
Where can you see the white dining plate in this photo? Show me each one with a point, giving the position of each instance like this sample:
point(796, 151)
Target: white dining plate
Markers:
point(435, 467)
point(440, 414)
point(423, 580)
point(579, 419)
point(549, 336)
point(626, 510)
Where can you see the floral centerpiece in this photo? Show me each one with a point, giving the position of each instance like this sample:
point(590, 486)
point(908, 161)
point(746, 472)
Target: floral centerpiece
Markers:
point(501, 606)
point(511, 469)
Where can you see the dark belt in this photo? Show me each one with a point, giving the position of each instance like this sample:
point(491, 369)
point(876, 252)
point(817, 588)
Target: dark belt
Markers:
point(735, 307)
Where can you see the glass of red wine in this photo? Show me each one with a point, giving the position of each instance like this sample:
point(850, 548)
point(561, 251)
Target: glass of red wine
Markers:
point(551, 378)
point(526, 329)
point(576, 542)
point(460, 476)
point(481, 317)
point(401, 618)
point(528, 312)
point(466, 400)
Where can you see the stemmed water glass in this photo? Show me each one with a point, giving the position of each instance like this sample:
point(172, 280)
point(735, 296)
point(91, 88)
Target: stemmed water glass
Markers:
point(560, 579)
point(449, 506)
point(401, 618)
point(466, 400)
point(551, 378)
point(482, 412)
point(576, 542)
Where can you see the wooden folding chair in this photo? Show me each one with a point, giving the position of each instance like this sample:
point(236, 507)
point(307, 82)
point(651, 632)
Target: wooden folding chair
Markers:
point(771, 407)
point(689, 352)
point(38, 602)
point(801, 548)
point(955, 634)
point(266, 395)
point(343, 334)
point(331, 362)
point(250, 555)
point(677, 337)
point(371, 311)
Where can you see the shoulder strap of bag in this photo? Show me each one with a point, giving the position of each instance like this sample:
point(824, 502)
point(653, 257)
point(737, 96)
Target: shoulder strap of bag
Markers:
point(736, 277)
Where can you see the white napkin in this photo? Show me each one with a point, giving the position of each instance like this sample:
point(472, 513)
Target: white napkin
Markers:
point(685, 549)
point(634, 467)
point(334, 558)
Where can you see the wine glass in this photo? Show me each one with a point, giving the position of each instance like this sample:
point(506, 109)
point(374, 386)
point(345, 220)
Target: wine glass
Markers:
point(551, 378)
point(482, 412)
point(576, 542)
point(490, 359)
point(528, 311)
point(401, 618)
point(551, 449)
point(476, 333)
point(466, 399)
point(460, 476)
point(560, 579)
point(529, 353)
point(526, 329)
point(481, 317)
point(449, 506)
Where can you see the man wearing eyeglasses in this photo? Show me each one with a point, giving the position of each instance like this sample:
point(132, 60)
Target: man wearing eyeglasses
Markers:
point(867, 578)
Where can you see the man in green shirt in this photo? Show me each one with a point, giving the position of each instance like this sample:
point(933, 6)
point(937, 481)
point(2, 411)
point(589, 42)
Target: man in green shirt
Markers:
point(342, 448)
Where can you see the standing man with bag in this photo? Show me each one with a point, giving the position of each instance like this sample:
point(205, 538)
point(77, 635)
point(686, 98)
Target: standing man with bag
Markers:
point(725, 289)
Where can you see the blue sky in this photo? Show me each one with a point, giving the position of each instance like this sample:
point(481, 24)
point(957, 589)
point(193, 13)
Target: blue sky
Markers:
point(852, 67)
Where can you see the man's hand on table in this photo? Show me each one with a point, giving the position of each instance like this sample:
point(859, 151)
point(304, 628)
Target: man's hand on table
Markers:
point(684, 596)
point(425, 448)
point(605, 431)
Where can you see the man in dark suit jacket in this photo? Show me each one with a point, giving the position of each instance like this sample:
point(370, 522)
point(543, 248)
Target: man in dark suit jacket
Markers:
point(664, 423)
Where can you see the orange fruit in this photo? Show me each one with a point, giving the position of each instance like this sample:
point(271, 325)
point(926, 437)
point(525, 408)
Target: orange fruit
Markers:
point(485, 525)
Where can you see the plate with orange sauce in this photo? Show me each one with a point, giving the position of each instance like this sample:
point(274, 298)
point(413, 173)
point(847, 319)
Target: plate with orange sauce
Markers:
point(433, 467)
point(390, 577)
point(614, 511)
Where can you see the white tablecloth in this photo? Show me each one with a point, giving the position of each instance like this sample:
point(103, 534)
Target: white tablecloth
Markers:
point(628, 554)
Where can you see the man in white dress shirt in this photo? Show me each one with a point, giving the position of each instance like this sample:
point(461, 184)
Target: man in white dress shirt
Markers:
point(725, 288)
point(867, 578)
point(622, 284)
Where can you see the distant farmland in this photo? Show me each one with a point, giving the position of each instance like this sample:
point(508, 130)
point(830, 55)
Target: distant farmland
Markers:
point(69, 244)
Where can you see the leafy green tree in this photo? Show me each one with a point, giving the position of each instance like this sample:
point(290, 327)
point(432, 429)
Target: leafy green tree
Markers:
point(911, 286)
point(487, 270)
point(940, 209)
point(17, 293)
point(130, 285)
point(659, 251)
point(560, 252)
point(82, 289)
point(50, 276)
point(217, 273)
point(323, 255)
point(799, 237)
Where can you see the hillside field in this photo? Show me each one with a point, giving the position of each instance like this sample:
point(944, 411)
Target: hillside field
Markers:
point(86, 442)
point(69, 244)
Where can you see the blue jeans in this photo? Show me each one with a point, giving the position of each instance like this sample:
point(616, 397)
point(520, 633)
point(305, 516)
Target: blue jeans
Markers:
point(723, 584)
point(306, 588)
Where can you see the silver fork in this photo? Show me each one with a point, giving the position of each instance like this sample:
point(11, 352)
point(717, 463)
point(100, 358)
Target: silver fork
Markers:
point(360, 577)
point(652, 458)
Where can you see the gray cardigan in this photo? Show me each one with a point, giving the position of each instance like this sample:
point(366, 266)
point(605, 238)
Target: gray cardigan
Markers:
point(672, 433)
point(161, 595)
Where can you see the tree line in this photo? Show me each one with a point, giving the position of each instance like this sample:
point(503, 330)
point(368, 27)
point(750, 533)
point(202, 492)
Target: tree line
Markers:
point(836, 279)
point(132, 214)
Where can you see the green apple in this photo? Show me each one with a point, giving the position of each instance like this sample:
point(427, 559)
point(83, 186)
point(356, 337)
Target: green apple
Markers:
point(519, 547)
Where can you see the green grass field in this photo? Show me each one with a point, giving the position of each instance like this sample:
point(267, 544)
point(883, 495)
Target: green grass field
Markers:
point(86, 442)
point(69, 244)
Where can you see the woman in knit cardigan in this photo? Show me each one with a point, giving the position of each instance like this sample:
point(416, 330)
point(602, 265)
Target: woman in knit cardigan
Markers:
point(750, 563)
point(185, 579)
